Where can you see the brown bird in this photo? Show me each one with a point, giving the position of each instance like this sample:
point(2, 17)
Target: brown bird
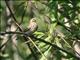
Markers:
point(32, 27)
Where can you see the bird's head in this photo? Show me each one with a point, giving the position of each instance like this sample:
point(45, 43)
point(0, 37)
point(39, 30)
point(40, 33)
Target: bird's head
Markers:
point(33, 20)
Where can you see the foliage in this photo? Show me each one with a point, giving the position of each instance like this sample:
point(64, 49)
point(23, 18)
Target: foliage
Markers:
point(58, 23)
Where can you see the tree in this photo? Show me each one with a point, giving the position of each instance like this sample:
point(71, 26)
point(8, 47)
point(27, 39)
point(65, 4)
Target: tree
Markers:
point(56, 38)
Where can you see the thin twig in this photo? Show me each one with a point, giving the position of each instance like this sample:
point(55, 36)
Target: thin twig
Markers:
point(37, 47)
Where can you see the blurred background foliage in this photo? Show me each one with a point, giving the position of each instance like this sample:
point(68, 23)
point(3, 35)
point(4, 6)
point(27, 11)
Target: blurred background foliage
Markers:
point(58, 23)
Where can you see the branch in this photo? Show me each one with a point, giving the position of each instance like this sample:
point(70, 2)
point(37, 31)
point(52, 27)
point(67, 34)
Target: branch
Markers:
point(55, 46)
point(2, 33)
point(13, 16)
point(19, 28)
point(68, 30)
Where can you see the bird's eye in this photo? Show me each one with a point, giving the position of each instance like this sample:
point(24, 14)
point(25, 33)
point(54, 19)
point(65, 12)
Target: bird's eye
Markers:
point(34, 20)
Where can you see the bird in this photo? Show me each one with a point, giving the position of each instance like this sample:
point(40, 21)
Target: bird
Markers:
point(32, 27)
